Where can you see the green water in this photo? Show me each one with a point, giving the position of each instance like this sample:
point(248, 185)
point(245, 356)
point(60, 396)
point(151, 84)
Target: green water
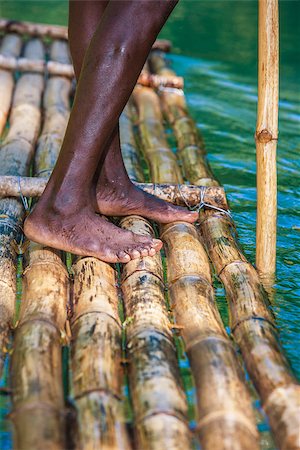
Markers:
point(215, 49)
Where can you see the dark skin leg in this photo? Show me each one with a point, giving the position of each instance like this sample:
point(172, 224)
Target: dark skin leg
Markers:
point(116, 194)
point(64, 217)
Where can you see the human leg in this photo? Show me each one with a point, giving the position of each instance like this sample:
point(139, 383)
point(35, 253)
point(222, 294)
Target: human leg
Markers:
point(64, 218)
point(116, 194)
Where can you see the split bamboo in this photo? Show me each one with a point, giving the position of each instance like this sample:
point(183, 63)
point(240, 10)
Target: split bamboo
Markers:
point(266, 137)
point(96, 357)
point(159, 402)
point(218, 376)
point(179, 194)
point(11, 46)
point(16, 152)
point(36, 368)
point(253, 327)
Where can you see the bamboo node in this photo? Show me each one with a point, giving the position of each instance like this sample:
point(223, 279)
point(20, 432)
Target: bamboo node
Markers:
point(265, 136)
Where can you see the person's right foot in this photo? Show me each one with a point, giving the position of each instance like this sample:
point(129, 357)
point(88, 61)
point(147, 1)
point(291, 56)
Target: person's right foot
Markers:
point(87, 234)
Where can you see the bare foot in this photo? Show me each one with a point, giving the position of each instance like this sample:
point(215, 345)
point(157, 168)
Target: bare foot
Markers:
point(115, 198)
point(86, 233)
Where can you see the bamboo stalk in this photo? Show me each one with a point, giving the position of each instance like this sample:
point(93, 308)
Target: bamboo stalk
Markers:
point(225, 418)
point(253, 327)
point(16, 152)
point(158, 398)
point(96, 356)
point(10, 63)
point(213, 361)
point(10, 47)
point(179, 194)
point(56, 31)
point(56, 115)
point(159, 157)
point(190, 144)
point(36, 371)
point(266, 136)
point(36, 362)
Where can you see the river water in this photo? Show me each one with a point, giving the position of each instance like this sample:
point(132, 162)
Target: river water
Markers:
point(215, 49)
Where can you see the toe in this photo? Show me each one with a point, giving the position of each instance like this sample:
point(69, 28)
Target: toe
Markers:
point(144, 251)
point(134, 253)
point(123, 257)
point(191, 216)
point(156, 245)
point(152, 251)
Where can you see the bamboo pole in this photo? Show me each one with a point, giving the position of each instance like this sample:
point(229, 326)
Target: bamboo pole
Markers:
point(158, 398)
point(190, 145)
point(36, 362)
point(179, 194)
point(96, 354)
point(56, 31)
point(11, 46)
point(16, 152)
point(266, 136)
point(213, 361)
point(96, 357)
point(159, 157)
point(253, 327)
point(225, 417)
point(36, 370)
point(9, 63)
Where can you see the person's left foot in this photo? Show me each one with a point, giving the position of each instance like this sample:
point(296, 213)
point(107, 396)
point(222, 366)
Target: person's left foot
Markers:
point(116, 198)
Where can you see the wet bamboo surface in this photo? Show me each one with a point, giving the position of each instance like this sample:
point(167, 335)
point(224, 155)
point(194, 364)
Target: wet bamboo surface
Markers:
point(178, 194)
point(158, 398)
point(16, 152)
point(38, 413)
point(96, 357)
point(251, 319)
point(213, 360)
point(225, 417)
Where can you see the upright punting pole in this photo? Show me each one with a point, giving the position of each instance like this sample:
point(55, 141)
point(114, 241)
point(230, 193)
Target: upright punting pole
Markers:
point(266, 136)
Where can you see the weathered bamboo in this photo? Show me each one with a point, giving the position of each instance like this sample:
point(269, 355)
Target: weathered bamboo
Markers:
point(34, 29)
point(190, 144)
point(266, 136)
point(56, 31)
point(158, 398)
point(36, 370)
point(9, 63)
point(159, 156)
point(253, 327)
point(11, 46)
point(96, 357)
point(36, 362)
point(56, 115)
point(179, 194)
point(213, 361)
point(15, 153)
point(225, 416)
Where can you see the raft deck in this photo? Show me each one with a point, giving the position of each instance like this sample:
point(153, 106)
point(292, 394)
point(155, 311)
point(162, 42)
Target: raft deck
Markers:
point(115, 323)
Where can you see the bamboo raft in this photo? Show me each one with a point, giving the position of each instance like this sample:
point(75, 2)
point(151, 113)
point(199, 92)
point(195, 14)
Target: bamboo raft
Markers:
point(116, 321)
